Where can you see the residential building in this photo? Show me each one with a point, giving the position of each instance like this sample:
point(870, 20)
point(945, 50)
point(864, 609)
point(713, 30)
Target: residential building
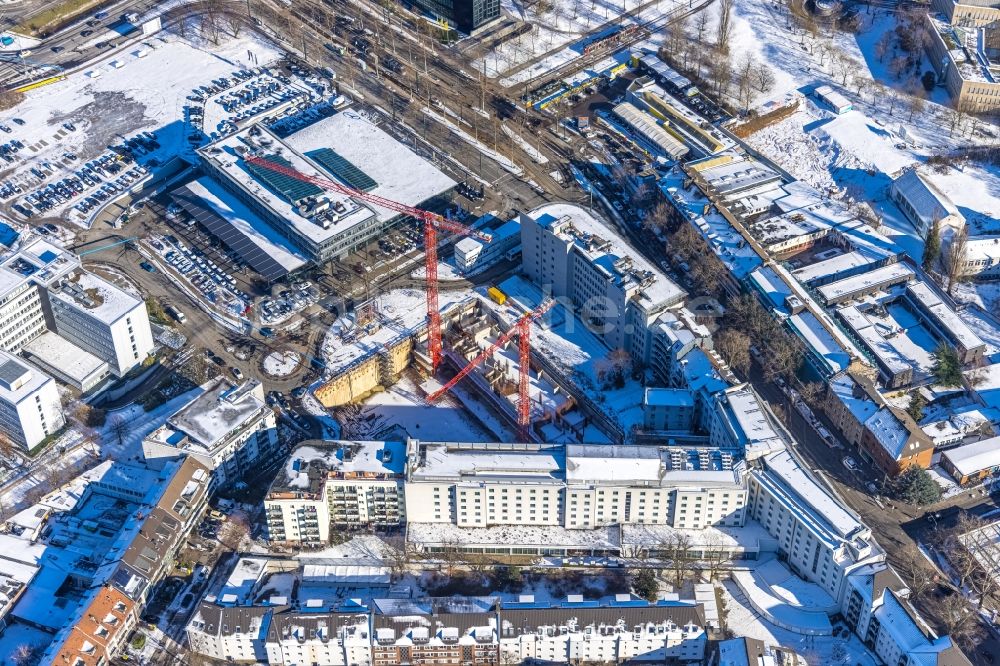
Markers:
point(449, 639)
point(579, 633)
point(923, 203)
point(98, 635)
point(741, 422)
point(227, 428)
point(102, 319)
point(982, 257)
point(971, 463)
point(233, 633)
point(467, 16)
point(820, 539)
point(343, 484)
point(667, 409)
point(570, 255)
point(892, 441)
point(850, 402)
point(472, 255)
point(331, 639)
point(30, 409)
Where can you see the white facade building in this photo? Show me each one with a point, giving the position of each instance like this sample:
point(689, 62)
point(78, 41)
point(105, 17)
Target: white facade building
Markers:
point(348, 484)
point(668, 409)
point(102, 319)
point(571, 255)
point(922, 203)
point(331, 639)
point(228, 428)
point(234, 633)
point(30, 409)
point(582, 635)
point(471, 254)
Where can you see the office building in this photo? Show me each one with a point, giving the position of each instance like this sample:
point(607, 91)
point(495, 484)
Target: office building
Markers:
point(466, 16)
point(30, 409)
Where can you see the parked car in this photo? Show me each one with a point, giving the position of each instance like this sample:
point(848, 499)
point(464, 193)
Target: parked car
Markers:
point(850, 463)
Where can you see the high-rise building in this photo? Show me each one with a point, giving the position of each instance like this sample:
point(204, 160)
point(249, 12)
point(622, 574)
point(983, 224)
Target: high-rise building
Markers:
point(465, 15)
point(30, 409)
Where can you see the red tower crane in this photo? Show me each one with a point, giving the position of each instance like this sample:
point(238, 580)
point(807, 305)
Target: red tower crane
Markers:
point(432, 223)
point(522, 329)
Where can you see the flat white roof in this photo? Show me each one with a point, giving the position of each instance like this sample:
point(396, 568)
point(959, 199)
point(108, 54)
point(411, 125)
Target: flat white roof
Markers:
point(443, 459)
point(947, 317)
point(864, 281)
point(400, 174)
point(18, 378)
point(58, 352)
point(832, 266)
point(216, 412)
point(972, 458)
point(100, 299)
point(661, 289)
point(668, 397)
point(818, 338)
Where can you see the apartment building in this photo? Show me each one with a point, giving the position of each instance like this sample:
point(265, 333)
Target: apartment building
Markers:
point(343, 484)
point(570, 255)
point(228, 428)
point(331, 639)
point(821, 540)
point(98, 317)
point(574, 633)
point(98, 636)
point(449, 639)
point(232, 633)
point(577, 487)
point(893, 441)
point(739, 421)
point(30, 409)
point(473, 255)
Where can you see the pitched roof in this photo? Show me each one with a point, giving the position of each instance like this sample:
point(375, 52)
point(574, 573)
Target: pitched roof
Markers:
point(85, 643)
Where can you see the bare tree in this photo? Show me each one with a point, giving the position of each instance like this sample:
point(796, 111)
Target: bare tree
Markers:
point(701, 27)
point(26, 655)
point(235, 23)
point(120, 429)
point(744, 79)
point(716, 554)
point(675, 548)
point(883, 46)
point(234, 531)
point(659, 217)
point(734, 347)
point(764, 77)
point(725, 25)
point(954, 258)
point(958, 619)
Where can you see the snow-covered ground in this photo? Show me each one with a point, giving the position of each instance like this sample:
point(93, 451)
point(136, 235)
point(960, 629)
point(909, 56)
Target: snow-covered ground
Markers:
point(281, 363)
point(742, 620)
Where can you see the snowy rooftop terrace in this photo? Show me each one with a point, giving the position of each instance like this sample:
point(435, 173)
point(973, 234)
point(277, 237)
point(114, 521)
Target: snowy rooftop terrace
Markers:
point(523, 462)
point(872, 280)
point(881, 339)
point(832, 267)
point(58, 352)
point(339, 459)
point(628, 268)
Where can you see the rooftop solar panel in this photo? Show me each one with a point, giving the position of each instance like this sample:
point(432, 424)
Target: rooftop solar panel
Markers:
point(293, 189)
point(341, 168)
point(230, 236)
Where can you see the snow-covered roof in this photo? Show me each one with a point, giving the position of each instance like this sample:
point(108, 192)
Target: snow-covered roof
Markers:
point(954, 326)
point(970, 459)
point(985, 384)
point(822, 514)
point(456, 460)
point(770, 284)
point(429, 534)
point(879, 278)
point(856, 401)
point(400, 174)
point(833, 267)
point(337, 458)
point(747, 418)
point(646, 465)
point(19, 379)
point(926, 200)
point(818, 339)
point(888, 431)
point(668, 397)
point(214, 414)
point(894, 619)
point(58, 352)
point(85, 292)
point(605, 249)
point(42, 260)
point(874, 338)
point(647, 126)
point(747, 537)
